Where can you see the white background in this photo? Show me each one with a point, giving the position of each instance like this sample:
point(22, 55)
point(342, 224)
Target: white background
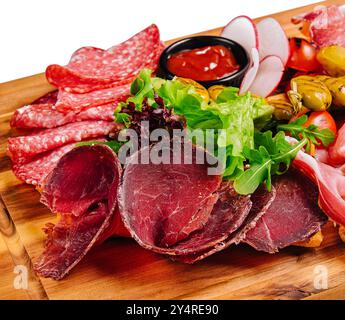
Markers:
point(36, 33)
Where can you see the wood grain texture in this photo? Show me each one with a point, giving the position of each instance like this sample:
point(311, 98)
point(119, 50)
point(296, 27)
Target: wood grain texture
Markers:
point(120, 269)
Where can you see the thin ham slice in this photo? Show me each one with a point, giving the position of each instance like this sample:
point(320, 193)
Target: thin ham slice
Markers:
point(82, 189)
point(331, 184)
point(326, 25)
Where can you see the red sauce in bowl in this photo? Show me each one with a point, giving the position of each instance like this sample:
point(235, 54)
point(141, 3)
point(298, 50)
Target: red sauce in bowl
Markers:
point(203, 64)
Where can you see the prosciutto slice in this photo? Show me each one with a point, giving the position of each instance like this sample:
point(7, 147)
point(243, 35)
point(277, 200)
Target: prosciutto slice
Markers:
point(331, 184)
point(82, 189)
point(327, 25)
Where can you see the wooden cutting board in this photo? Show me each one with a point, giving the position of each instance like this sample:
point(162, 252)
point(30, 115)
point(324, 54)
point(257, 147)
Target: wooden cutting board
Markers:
point(120, 269)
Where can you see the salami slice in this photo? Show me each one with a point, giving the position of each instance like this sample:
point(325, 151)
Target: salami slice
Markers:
point(24, 147)
point(35, 171)
point(77, 102)
point(82, 189)
point(92, 68)
point(49, 98)
point(44, 116)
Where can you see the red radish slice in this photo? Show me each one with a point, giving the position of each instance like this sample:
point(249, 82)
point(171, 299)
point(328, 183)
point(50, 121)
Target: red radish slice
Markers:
point(243, 31)
point(270, 72)
point(252, 71)
point(273, 40)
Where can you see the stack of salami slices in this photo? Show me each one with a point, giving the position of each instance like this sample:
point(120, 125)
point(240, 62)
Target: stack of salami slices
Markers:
point(88, 91)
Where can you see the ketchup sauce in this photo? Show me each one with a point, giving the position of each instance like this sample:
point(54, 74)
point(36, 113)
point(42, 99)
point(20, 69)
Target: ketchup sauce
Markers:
point(203, 64)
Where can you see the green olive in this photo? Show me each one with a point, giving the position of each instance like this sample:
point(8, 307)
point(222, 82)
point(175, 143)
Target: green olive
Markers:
point(337, 88)
point(332, 59)
point(311, 92)
point(283, 109)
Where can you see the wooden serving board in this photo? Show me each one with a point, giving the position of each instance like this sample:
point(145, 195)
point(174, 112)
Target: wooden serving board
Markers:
point(120, 269)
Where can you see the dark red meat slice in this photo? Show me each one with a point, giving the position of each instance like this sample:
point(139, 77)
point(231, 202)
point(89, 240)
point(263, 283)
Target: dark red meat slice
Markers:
point(91, 68)
point(21, 148)
point(260, 202)
point(162, 204)
point(228, 214)
point(44, 116)
point(83, 190)
point(77, 102)
point(293, 216)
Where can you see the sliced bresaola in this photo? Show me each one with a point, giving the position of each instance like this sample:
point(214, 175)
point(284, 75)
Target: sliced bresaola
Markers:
point(245, 212)
point(293, 215)
point(44, 116)
point(77, 102)
point(331, 184)
point(326, 25)
point(162, 204)
point(92, 68)
point(82, 189)
point(24, 147)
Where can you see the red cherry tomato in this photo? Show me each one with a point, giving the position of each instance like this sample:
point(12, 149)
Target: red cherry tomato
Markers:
point(323, 120)
point(303, 56)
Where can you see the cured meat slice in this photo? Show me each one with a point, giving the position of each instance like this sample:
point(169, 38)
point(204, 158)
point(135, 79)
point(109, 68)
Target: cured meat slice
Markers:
point(91, 68)
point(227, 215)
point(293, 215)
point(260, 202)
point(44, 116)
point(24, 147)
point(326, 25)
point(36, 170)
point(160, 214)
point(83, 190)
point(77, 102)
point(49, 98)
point(331, 184)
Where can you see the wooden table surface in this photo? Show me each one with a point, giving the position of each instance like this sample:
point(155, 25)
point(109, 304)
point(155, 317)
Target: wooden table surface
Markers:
point(120, 269)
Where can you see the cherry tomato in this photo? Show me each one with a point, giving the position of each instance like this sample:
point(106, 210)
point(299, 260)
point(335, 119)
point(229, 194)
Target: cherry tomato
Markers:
point(303, 56)
point(323, 120)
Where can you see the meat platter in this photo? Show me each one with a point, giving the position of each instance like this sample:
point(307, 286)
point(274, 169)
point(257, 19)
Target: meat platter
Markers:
point(265, 198)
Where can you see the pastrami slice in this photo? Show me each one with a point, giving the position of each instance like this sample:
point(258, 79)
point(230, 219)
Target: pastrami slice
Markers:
point(83, 190)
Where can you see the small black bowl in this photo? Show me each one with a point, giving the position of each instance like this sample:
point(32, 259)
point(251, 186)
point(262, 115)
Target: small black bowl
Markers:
point(239, 52)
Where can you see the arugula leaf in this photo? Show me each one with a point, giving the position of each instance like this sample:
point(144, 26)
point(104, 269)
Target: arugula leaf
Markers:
point(312, 132)
point(270, 155)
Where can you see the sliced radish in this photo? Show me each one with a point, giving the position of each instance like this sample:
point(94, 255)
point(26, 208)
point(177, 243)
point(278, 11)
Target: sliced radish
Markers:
point(268, 77)
point(242, 30)
point(273, 40)
point(252, 71)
